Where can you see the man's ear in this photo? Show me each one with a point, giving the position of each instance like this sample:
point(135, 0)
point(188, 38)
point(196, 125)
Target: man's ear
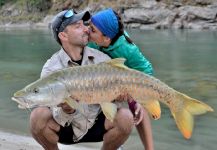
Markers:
point(62, 36)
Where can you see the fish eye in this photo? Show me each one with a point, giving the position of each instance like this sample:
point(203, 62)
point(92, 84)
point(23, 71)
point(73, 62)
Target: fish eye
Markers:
point(35, 90)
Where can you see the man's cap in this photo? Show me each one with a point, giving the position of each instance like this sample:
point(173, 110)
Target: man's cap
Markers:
point(65, 18)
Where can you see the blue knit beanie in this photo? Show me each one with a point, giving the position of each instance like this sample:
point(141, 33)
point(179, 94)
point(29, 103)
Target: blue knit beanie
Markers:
point(107, 22)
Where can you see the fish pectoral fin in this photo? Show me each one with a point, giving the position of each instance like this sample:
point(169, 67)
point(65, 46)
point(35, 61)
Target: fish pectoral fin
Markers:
point(109, 110)
point(117, 62)
point(153, 107)
point(74, 104)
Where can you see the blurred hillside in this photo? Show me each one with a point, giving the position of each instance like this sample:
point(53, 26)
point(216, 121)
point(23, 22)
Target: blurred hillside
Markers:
point(16, 11)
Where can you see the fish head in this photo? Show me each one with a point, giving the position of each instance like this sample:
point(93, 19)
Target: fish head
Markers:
point(47, 91)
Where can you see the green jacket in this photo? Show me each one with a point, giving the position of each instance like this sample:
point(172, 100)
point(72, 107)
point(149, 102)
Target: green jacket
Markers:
point(122, 49)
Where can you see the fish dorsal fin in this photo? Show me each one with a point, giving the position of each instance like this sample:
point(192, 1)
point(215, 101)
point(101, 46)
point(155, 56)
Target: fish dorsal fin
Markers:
point(117, 62)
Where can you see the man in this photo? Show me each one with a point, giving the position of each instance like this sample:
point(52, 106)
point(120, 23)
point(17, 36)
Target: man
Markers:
point(64, 124)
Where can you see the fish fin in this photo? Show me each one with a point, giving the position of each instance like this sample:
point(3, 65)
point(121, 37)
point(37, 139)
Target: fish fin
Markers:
point(184, 121)
point(74, 104)
point(184, 116)
point(117, 62)
point(109, 110)
point(195, 107)
point(153, 107)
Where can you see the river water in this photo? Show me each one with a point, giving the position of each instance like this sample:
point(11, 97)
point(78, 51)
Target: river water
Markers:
point(184, 59)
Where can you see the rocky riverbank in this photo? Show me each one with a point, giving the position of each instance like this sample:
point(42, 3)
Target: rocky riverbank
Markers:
point(141, 14)
point(156, 15)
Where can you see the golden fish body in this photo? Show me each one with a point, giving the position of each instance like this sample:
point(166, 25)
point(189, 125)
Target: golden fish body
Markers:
point(102, 83)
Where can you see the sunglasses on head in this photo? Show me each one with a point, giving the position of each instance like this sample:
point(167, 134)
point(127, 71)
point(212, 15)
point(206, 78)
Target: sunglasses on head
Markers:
point(69, 14)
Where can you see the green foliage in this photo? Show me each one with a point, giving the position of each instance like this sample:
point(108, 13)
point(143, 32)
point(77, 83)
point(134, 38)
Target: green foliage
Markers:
point(2, 2)
point(37, 5)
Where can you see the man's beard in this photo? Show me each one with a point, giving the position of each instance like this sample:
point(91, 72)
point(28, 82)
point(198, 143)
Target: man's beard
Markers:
point(85, 42)
point(81, 41)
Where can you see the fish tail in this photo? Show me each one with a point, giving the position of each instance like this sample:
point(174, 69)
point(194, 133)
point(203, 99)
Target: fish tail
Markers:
point(184, 116)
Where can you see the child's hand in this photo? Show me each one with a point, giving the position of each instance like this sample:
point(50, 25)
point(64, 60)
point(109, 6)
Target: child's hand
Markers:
point(138, 114)
point(136, 109)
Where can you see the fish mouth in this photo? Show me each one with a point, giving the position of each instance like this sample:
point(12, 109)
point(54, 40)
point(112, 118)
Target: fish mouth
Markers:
point(21, 102)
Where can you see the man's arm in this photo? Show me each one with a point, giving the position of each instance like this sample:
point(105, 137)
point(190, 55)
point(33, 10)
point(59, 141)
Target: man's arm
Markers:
point(62, 113)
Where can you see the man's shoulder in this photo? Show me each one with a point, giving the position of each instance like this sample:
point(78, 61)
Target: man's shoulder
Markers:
point(54, 58)
point(52, 64)
point(57, 54)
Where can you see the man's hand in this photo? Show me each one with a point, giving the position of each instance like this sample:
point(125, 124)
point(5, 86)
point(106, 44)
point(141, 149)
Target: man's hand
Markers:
point(66, 108)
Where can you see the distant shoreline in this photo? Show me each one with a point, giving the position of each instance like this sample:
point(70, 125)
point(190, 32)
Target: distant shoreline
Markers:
point(25, 25)
point(45, 23)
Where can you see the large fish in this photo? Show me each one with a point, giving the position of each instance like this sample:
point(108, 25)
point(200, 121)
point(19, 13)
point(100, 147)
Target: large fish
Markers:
point(102, 83)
